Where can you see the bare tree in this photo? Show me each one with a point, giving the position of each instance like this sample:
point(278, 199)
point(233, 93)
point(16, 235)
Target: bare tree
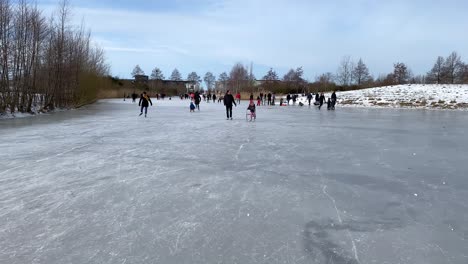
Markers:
point(271, 75)
point(209, 80)
point(176, 76)
point(157, 74)
point(45, 64)
point(193, 77)
point(452, 68)
point(465, 73)
point(401, 73)
point(239, 77)
point(137, 71)
point(325, 78)
point(361, 73)
point(345, 71)
point(435, 75)
point(224, 79)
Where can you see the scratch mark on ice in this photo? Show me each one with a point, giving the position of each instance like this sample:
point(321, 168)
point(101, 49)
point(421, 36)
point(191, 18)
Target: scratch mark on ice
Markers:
point(240, 148)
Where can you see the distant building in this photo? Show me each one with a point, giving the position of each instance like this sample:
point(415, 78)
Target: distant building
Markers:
point(141, 78)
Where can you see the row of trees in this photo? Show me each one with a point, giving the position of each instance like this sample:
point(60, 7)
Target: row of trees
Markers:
point(45, 63)
point(349, 75)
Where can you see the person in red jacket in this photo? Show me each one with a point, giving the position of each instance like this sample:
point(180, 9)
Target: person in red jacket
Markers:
point(238, 98)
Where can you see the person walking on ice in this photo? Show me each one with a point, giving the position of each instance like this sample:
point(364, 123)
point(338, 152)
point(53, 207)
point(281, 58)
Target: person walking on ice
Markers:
point(228, 101)
point(321, 100)
point(145, 100)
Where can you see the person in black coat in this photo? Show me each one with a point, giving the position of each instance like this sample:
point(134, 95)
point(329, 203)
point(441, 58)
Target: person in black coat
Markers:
point(321, 100)
point(145, 100)
point(269, 98)
point(333, 100)
point(288, 98)
point(197, 99)
point(228, 101)
point(309, 98)
point(317, 97)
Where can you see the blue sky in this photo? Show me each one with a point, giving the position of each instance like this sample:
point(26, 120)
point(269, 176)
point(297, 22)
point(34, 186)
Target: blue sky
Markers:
point(208, 35)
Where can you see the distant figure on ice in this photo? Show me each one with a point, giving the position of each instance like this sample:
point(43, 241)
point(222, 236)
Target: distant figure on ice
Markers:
point(197, 100)
point(269, 98)
point(259, 101)
point(192, 107)
point(145, 100)
point(329, 103)
point(228, 101)
point(238, 98)
point(294, 98)
point(309, 98)
point(333, 100)
point(134, 97)
point(321, 100)
point(251, 97)
point(288, 98)
point(317, 98)
point(251, 108)
point(214, 98)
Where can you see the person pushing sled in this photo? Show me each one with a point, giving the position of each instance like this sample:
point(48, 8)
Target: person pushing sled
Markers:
point(251, 111)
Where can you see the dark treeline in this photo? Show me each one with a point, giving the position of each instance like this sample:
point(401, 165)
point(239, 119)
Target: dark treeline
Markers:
point(350, 75)
point(45, 63)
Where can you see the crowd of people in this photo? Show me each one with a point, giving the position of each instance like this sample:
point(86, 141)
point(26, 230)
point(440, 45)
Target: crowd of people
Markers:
point(229, 101)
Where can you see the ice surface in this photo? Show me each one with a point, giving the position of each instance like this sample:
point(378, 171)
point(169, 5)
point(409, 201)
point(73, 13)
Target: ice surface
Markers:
point(102, 185)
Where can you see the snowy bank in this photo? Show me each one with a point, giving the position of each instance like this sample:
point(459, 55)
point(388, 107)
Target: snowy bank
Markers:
point(429, 96)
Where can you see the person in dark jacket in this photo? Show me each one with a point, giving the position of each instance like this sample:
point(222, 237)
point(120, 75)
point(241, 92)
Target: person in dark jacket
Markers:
point(228, 101)
point(251, 97)
point(309, 98)
point(134, 97)
point(329, 104)
point(321, 100)
point(317, 97)
point(145, 100)
point(288, 98)
point(269, 98)
point(214, 98)
point(333, 100)
point(197, 99)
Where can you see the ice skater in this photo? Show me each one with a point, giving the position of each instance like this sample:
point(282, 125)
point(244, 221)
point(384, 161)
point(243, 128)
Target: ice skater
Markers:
point(238, 98)
point(333, 100)
point(197, 99)
point(251, 108)
point(145, 100)
point(321, 100)
point(228, 101)
point(192, 107)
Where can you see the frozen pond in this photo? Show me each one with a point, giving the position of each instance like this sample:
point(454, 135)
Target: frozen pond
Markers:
point(102, 185)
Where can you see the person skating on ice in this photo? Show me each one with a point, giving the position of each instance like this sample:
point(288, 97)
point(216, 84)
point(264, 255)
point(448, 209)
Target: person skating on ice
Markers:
point(321, 100)
point(145, 100)
point(228, 101)
point(251, 108)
